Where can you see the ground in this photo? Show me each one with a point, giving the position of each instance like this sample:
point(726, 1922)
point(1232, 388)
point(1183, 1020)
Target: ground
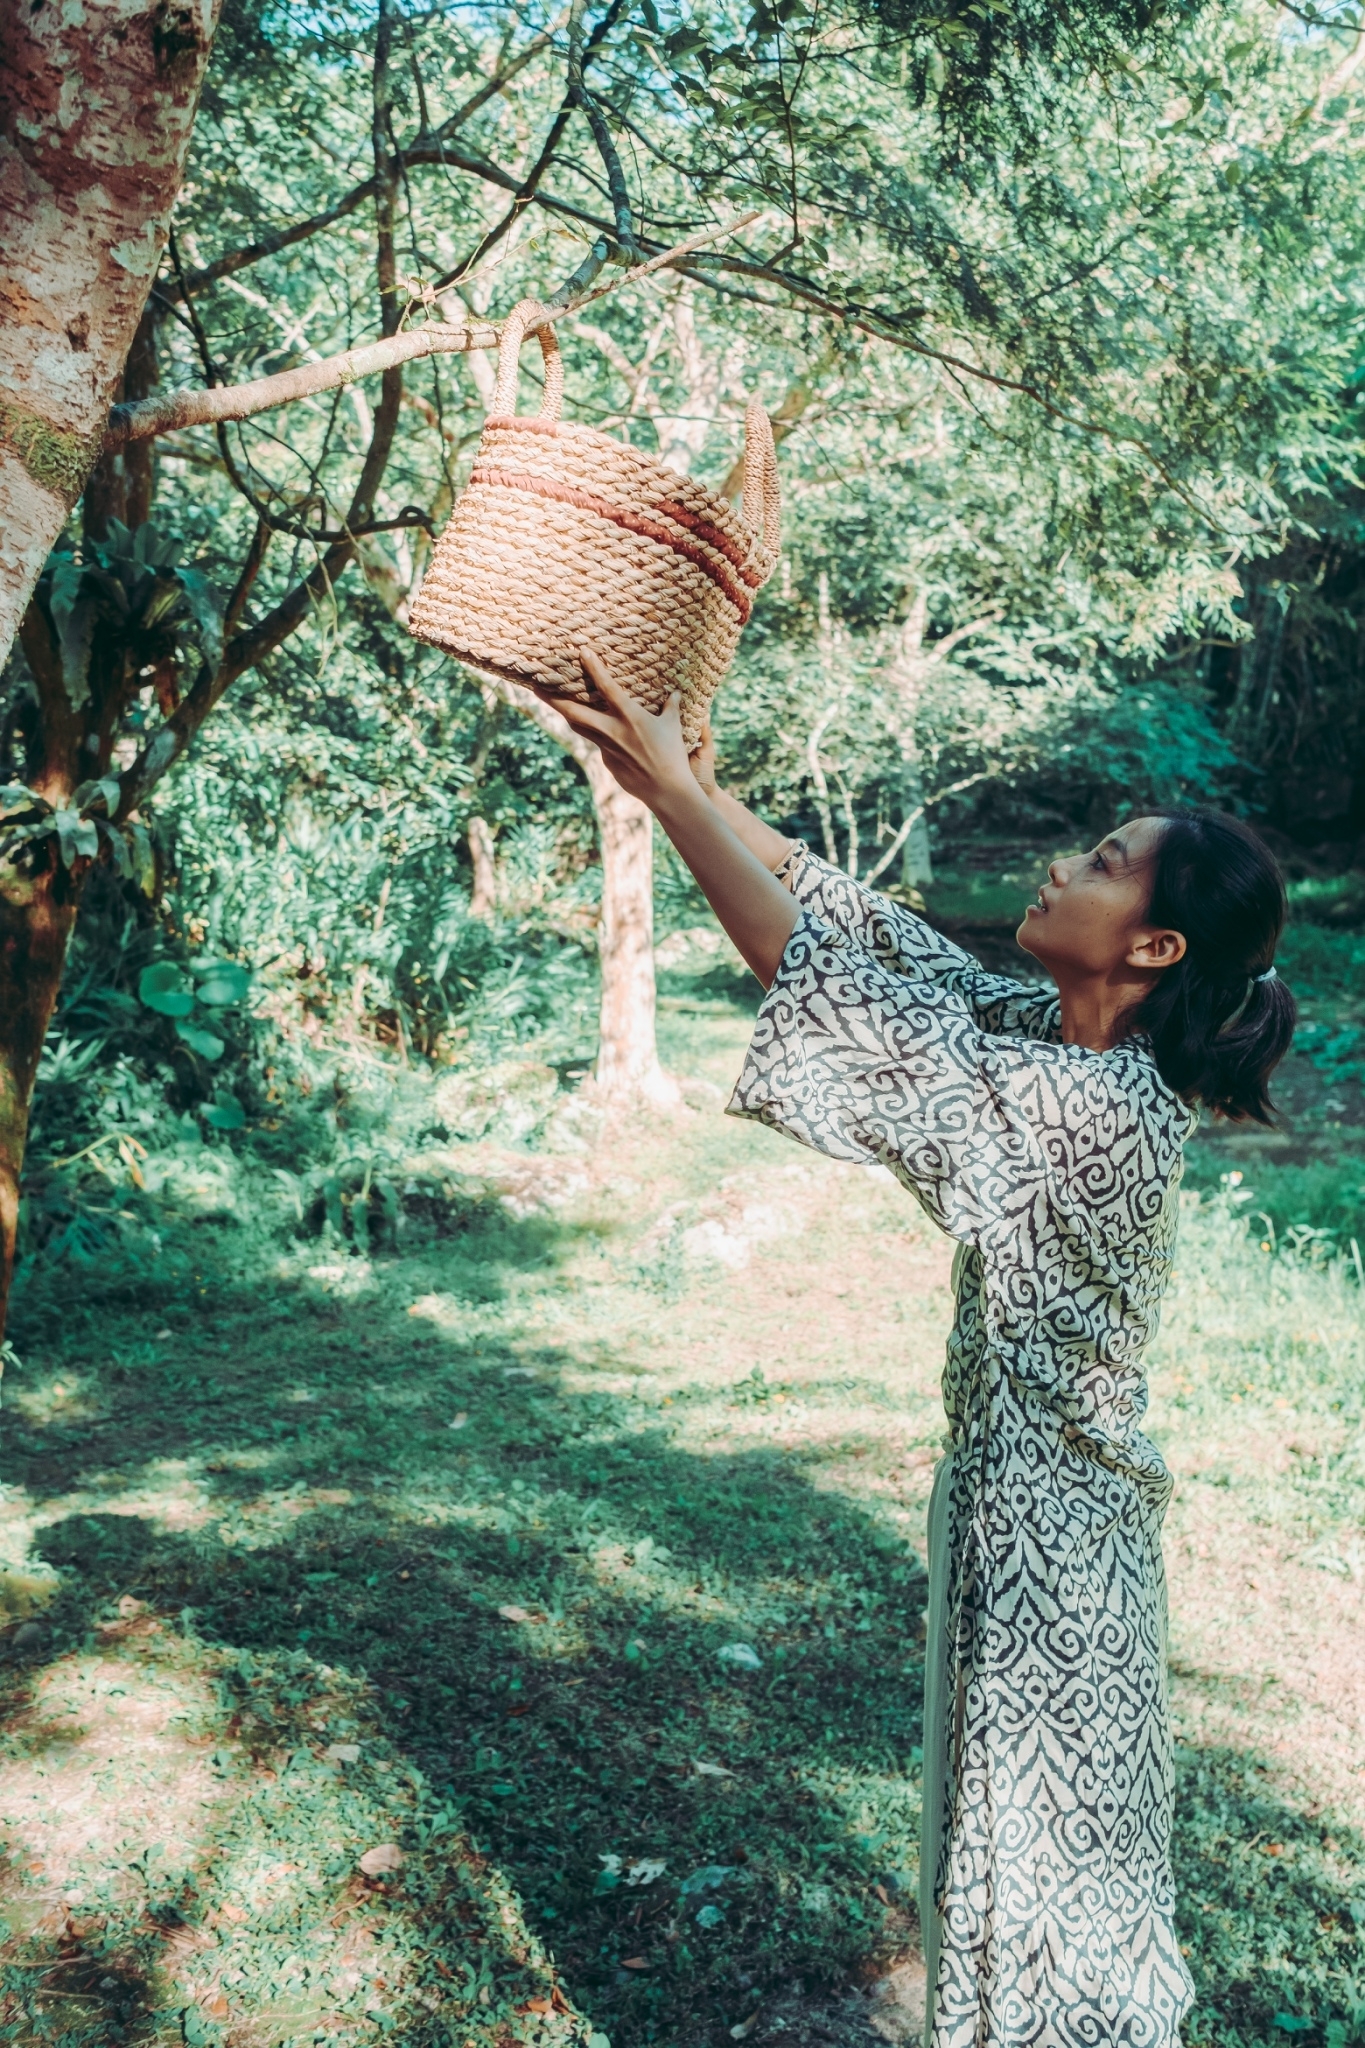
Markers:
point(516, 1635)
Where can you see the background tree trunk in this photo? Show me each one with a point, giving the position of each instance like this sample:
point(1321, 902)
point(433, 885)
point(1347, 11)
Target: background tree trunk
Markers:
point(98, 103)
point(483, 897)
point(907, 677)
point(37, 913)
point(627, 1049)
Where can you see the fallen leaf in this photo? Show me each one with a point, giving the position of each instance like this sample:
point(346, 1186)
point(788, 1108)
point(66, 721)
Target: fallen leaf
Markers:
point(711, 1770)
point(745, 2027)
point(634, 1963)
point(743, 1655)
point(342, 1752)
point(385, 1856)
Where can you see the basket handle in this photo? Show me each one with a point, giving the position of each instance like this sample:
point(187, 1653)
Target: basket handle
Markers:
point(762, 501)
point(528, 314)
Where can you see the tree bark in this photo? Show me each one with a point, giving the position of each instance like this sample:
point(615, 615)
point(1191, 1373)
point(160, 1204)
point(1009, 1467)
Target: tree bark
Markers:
point(98, 105)
point(907, 677)
point(483, 899)
point(627, 1049)
point(37, 913)
point(628, 1067)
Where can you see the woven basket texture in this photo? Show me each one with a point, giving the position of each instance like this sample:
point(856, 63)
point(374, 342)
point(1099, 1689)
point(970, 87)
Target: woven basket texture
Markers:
point(567, 538)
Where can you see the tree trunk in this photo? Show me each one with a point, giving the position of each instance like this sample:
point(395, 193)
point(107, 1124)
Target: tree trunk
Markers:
point(907, 677)
point(483, 899)
point(37, 913)
point(627, 1052)
point(98, 105)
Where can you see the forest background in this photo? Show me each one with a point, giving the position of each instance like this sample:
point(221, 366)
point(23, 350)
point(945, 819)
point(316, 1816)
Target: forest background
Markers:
point(1058, 315)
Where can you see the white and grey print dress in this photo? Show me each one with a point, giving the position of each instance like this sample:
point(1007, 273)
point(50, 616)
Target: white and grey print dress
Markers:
point(1046, 1891)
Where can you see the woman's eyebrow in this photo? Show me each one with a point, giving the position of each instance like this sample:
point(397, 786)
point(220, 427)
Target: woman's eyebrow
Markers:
point(1119, 847)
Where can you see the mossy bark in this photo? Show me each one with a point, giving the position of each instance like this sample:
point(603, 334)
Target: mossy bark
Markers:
point(37, 914)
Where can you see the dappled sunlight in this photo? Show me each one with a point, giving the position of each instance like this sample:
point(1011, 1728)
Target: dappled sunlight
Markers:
point(570, 1538)
point(210, 1841)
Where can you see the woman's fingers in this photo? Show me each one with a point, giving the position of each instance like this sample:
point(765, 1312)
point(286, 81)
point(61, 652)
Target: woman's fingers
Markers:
point(583, 717)
point(604, 682)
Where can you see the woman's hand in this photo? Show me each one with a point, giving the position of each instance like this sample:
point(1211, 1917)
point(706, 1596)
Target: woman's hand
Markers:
point(703, 761)
point(643, 749)
point(647, 756)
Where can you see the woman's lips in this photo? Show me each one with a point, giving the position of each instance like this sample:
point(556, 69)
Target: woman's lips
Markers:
point(1038, 906)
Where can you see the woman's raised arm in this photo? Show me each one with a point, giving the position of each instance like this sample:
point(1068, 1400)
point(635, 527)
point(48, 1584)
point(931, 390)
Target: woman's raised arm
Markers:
point(647, 756)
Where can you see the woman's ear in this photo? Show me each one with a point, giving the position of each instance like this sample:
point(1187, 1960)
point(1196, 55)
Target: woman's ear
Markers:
point(1156, 949)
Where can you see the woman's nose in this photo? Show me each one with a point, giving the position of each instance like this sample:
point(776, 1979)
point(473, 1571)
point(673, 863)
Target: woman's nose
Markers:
point(1056, 871)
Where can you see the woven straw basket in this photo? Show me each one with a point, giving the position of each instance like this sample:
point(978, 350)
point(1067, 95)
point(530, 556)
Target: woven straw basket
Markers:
point(566, 537)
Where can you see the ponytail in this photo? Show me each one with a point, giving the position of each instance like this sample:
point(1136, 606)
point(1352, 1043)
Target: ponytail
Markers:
point(1220, 1020)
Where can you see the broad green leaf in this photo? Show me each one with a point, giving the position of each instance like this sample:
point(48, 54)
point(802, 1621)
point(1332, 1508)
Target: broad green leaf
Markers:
point(225, 1112)
point(206, 610)
point(228, 983)
point(118, 849)
point(207, 1044)
point(75, 636)
point(18, 797)
point(163, 988)
point(144, 856)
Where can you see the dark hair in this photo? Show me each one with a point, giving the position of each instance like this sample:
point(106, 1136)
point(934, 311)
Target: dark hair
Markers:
point(1218, 1027)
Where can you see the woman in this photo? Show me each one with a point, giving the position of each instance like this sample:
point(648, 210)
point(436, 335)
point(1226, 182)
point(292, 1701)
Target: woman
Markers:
point(1043, 1132)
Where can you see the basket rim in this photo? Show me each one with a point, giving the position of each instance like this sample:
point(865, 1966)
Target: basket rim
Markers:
point(670, 480)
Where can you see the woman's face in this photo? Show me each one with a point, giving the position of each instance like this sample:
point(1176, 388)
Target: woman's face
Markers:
point(1091, 914)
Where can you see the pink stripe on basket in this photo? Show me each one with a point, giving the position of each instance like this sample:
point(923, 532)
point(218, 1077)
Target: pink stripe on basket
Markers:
point(569, 494)
point(695, 522)
point(713, 535)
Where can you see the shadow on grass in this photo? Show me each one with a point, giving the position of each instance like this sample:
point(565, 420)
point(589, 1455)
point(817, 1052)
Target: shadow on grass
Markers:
point(1265, 1908)
point(539, 1599)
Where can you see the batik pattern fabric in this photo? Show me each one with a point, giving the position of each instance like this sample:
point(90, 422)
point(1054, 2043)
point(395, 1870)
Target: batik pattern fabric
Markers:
point(1057, 1171)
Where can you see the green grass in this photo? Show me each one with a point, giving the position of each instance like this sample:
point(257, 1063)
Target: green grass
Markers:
point(488, 1507)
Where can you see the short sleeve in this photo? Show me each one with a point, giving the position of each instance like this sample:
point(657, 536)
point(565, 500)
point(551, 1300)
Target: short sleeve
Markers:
point(856, 1059)
point(891, 933)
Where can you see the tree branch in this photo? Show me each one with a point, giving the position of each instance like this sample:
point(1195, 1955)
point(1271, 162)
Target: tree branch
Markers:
point(427, 148)
point(909, 823)
point(171, 410)
point(579, 96)
point(526, 190)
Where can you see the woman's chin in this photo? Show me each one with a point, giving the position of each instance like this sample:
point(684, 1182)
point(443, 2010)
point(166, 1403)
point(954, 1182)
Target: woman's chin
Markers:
point(1027, 932)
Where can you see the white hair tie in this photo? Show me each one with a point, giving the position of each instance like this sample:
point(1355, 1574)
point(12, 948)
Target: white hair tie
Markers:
point(1269, 975)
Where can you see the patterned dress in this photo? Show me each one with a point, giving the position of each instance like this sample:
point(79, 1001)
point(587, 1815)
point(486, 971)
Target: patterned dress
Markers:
point(1046, 1894)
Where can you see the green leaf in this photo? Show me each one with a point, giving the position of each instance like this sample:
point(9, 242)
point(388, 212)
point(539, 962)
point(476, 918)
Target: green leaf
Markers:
point(163, 988)
point(144, 857)
point(16, 797)
point(118, 849)
point(1290, 2023)
point(207, 1044)
point(206, 611)
point(75, 625)
point(76, 835)
point(226, 982)
point(225, 1112)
